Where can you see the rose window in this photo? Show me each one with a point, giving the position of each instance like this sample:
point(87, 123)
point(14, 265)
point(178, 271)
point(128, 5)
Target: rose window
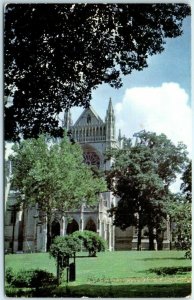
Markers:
point(91, 158)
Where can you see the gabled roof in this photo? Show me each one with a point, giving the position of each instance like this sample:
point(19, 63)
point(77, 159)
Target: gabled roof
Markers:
point(83, 119)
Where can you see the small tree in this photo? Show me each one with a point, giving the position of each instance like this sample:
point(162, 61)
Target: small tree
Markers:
point(91, 241)
point(62, 249)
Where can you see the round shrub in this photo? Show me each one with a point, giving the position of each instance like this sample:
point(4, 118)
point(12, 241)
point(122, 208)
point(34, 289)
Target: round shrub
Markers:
point(64, 246)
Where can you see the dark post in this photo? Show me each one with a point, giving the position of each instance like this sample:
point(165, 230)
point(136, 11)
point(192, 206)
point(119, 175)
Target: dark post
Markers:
point(72, 272)
point(58, 270)
point(67, 274)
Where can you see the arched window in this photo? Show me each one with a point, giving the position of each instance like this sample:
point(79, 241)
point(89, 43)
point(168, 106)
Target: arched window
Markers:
point(55, 229)
point(72, 226)
point(91, 226)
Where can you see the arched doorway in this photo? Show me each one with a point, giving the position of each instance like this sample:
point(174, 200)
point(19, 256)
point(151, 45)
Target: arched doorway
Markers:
point(55, 229)
point(72, 226)
point(91, 226)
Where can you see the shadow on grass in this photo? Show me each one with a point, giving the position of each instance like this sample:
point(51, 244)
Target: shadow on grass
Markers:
point(161, 258)
point(106, 291)
point(85, 256)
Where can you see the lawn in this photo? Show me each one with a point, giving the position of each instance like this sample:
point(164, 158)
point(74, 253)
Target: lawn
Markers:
point(115, 274)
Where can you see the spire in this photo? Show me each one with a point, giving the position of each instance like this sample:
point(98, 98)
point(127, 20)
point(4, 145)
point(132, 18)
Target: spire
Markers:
point(110, 122)
point(110, 117)
point(67, 123)
point(110, 107)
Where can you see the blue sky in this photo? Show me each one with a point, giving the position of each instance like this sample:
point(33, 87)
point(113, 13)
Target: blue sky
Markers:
point(172, 65)
point(156, 99)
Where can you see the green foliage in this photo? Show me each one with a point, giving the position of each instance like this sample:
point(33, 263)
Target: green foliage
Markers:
point(56, 54)
point(29, 278)
point(52, 173)
point(91, 241)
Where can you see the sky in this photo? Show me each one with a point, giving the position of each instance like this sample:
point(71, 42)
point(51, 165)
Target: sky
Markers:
point(157, 99)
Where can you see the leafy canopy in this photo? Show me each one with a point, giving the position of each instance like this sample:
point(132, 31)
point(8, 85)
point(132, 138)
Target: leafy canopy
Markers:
point(141, 176)
point(55, 54)
point(52, 173)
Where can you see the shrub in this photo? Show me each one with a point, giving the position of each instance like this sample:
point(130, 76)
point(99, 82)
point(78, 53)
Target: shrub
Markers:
point(91, 241)
point(9, 275)
point(30, 278)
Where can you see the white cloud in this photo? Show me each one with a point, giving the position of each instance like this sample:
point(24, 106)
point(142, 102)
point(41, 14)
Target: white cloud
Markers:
point(161, 109)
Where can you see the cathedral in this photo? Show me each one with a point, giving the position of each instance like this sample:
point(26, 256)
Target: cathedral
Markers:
point(26, 229)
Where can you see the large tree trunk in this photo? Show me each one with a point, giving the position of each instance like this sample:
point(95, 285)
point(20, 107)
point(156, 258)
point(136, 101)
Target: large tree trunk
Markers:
point(139, 228)
point(159, 239)
point(48, 232)
point(151, 238)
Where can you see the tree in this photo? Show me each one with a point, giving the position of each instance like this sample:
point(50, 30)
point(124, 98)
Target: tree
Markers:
point(55, 54)
point(91, 241)
point(140, 177)
point(63, 248)
point(53, 174)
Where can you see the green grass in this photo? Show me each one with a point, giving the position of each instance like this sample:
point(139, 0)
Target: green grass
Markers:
point(116, 274)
